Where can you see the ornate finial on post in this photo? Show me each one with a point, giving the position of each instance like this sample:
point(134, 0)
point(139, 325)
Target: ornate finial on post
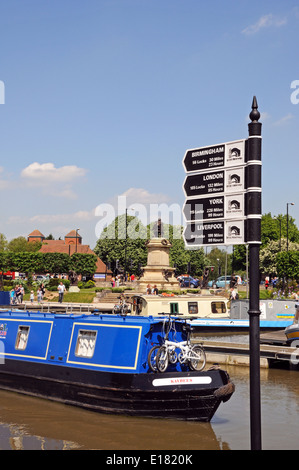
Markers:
point(254, 114)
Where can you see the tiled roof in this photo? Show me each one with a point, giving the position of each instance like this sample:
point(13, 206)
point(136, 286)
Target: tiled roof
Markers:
point(36, 233)
point(73, 234)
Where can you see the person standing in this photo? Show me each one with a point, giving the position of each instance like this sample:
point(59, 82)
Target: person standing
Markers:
point(39, 296)
point(43, 290)
point(61, 289)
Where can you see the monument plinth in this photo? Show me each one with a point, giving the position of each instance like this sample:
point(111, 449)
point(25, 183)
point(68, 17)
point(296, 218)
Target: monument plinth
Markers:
point(157, 272)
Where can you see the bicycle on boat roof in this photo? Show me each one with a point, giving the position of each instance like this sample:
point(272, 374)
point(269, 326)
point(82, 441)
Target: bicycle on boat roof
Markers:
point(185, 352)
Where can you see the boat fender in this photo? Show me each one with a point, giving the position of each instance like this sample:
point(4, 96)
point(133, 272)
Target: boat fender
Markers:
point(225, 392)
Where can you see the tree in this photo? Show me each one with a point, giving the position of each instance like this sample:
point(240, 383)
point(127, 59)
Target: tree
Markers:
point(269, 257)
point(20, 244)
point(113, 243)
point(275, 227)
point(288, 264)
point(57, 263)
point(3, 242)
point(27, 262)
point(83, 263)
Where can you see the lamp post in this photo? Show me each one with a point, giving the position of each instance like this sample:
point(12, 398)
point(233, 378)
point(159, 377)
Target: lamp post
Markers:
point(126, 219)
point(279, 220)
point(288, 204)
point(77, 238)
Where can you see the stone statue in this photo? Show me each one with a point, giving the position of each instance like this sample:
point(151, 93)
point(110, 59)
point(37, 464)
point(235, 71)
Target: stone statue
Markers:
point(158, 229)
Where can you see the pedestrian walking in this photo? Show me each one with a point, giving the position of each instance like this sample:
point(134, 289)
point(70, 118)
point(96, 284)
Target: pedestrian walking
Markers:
point(61, 289)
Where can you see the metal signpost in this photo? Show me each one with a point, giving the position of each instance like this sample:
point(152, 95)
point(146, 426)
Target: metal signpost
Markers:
point(223, 207)
point(254, 154)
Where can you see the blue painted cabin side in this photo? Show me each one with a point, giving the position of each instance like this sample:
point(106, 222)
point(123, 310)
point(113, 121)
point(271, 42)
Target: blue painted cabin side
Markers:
point(99, 342)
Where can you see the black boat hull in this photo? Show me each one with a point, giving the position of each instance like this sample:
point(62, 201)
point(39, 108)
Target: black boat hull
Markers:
point(190, 395)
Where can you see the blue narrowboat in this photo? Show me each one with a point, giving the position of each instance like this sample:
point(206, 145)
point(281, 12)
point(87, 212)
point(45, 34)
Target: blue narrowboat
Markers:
point(100, 362)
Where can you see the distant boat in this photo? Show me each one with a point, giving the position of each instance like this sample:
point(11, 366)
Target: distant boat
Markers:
point(195, 306)
point(292, 331)
point(100, 362)
point(215, 312)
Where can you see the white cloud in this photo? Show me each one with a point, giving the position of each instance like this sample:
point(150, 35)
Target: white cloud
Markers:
point(54, 181)
point(143, 196)
point(52, 219)
point(283, 120)
point(265, 21)
point(41, 173)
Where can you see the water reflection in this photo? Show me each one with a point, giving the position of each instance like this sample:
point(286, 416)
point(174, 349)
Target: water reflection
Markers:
point(31, 423)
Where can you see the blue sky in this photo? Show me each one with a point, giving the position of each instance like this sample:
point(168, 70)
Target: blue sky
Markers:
point(103, 97)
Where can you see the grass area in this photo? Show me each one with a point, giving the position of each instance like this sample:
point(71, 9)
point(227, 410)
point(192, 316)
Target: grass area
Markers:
point(83, 297)
point(79, 297)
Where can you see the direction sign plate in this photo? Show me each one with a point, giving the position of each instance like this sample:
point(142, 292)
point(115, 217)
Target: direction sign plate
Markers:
point(214, 232)
point(215, 156)
point(205, 183)
point(214, 207)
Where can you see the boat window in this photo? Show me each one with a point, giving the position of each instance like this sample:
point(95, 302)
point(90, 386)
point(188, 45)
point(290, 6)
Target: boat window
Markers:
point(85, 343)
point(218, 307)
point(192, 307)
point(22, 337)
point(174, 307)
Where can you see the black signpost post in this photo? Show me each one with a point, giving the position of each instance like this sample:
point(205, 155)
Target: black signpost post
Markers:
point(253, 207)
point(223, 207)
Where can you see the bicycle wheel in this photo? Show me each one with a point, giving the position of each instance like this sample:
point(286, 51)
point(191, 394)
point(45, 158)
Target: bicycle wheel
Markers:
point(198, 358)
point(162, 359)
point(151, 358)
point(172, 357)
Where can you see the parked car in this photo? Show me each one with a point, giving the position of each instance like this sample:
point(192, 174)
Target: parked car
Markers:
point(221, 281)
point(189, 281)
point(40, 278)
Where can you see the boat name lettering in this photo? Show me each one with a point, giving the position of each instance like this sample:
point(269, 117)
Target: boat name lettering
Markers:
point(181, 381)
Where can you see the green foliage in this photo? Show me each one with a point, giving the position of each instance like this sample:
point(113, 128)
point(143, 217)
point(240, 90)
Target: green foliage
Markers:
point(56, 263)
point(112, 244)
point(275, 227)
point(3, 242)
point(288, 264)
point(83, 263)
point(54, 282)
point(272, 259)
point(86, 285)
point(20, 244)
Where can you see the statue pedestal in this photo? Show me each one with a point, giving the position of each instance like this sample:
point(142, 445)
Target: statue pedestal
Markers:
point(157, 271)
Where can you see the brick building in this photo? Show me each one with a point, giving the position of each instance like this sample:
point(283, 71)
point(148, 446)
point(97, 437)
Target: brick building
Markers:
point(71, 244)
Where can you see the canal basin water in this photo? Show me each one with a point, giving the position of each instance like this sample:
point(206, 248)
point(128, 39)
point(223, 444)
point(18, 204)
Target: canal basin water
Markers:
point(32, 423)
